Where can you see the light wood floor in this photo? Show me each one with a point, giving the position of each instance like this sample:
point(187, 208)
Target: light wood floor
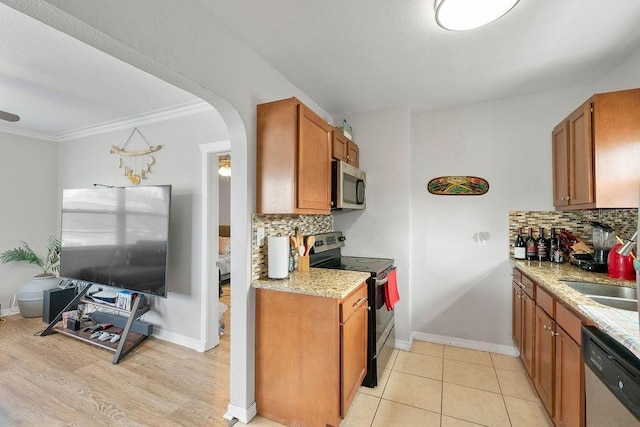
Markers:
point(58, 381)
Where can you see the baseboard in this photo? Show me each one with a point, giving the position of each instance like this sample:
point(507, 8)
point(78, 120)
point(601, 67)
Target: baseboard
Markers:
point(244, 415)
point(471, 344)
point(174, 338)
point(9, 312)
point(404, 345)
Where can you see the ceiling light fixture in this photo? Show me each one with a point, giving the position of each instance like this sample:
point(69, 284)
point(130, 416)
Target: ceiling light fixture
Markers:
point(224, 165)
point(460, 15)
point(9, 117)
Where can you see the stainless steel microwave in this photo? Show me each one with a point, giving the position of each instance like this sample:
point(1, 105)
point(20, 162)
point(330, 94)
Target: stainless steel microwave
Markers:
point(348, 186)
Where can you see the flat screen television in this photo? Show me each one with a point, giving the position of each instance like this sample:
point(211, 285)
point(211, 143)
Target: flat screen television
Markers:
point(117, 236)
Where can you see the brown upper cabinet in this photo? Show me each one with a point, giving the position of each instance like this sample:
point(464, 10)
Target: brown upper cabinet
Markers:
point(344, 149)
point(293, 159)
point(595, 152)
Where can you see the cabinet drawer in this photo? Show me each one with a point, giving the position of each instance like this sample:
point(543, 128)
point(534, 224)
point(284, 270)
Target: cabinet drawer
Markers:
point(527, 286)
point(569, 322)
point(517, 275)
point(545, 301)
point(353, 302)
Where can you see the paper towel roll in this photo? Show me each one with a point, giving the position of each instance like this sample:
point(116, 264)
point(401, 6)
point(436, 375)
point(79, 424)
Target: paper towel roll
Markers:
point(278, 257)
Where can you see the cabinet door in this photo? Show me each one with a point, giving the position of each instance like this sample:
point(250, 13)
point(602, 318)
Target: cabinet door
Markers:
point(581, 156)
point(353, 154)
point(314, 163)
point(569, 403)
point(353, 351)
point(560, 143)
point(339, 146)
point(544, 358)
point(528, 330)
point(516, 316)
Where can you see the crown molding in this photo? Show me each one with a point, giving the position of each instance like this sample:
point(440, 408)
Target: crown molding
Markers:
point(160, 115)
point(27, 133)
point(173, 112)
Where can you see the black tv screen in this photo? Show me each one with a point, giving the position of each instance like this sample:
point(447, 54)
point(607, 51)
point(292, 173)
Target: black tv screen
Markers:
point(117, 236)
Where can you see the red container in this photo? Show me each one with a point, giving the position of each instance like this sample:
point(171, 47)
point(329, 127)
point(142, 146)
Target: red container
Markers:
point(620, 266)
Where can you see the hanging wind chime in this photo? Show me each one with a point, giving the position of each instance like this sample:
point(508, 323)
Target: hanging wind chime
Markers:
point(136, 163)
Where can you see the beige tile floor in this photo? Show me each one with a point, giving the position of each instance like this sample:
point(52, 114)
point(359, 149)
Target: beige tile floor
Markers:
point(439, 385)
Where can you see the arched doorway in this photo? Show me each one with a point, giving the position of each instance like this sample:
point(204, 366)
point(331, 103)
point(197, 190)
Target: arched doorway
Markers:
point(241, 404)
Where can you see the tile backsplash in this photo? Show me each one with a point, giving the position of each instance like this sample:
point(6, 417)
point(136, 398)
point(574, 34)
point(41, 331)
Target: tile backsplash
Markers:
point(282, 225)
point(623, 221)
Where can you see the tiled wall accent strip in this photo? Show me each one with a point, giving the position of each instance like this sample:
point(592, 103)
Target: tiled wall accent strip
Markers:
point(282, 225)
point(623, 221)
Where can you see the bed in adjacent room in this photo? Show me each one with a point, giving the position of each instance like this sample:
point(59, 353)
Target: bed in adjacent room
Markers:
point(224, 254)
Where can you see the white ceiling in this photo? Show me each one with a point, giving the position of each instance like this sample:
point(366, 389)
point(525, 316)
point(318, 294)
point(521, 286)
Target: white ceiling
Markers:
point(358, 55)
point(62, 88)
point(348, 56)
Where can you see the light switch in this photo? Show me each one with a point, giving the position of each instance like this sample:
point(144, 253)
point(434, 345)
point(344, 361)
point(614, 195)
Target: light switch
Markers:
point(482, 238)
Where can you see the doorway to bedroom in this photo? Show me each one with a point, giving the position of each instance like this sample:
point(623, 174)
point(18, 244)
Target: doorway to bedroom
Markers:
point(224, 243)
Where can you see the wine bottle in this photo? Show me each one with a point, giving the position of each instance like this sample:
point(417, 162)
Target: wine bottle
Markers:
point(558, 255)
point(531, 246)
point(542, 246)
point(519, 248)
point(553, 245)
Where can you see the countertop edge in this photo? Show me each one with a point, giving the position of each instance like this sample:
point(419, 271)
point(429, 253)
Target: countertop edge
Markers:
point(320, 282)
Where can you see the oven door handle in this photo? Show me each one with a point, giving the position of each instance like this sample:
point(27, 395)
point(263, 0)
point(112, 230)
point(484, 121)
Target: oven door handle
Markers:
point(382, 282)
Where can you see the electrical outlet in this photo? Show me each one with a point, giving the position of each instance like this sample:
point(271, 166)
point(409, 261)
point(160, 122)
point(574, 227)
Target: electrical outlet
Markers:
point(260, 236)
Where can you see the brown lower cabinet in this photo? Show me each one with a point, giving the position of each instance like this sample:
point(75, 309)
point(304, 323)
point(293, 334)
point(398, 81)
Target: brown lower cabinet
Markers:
point(522, 318)
point(554, 358)
point(544, 368)
point(310, 355)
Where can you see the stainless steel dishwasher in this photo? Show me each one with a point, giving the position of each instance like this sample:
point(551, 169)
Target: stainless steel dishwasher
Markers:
point(612, 381)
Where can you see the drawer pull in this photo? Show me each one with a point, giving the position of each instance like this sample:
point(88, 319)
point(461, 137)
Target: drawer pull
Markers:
point(360, 301)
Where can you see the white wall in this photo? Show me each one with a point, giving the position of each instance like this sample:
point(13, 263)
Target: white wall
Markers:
point(87, 161)
point(460, 289)
point(382, 230)
point(28, 205)
point(626, 76)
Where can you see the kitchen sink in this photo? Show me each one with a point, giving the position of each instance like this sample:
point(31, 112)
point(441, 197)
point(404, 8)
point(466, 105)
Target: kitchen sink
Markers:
point(612, 296)
point(623, 303)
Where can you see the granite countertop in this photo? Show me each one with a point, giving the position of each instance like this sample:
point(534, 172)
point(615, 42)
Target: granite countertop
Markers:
point(620, 324)
point(317, 281)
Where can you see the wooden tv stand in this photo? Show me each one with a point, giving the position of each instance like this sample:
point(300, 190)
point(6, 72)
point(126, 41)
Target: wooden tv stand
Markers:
point(128, 339)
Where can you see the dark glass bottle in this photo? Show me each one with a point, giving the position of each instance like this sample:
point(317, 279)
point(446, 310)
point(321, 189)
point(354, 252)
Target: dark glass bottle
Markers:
point(542, 246)
point(519, 248)
point(531, 246)
point(558, 255)
point(553, 245)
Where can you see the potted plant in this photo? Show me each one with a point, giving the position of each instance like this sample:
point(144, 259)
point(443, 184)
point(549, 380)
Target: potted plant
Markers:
point(30, 295)
point(24, 253)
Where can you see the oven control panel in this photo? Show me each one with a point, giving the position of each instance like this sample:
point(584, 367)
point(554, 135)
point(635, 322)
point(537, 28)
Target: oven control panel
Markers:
point(328, 241)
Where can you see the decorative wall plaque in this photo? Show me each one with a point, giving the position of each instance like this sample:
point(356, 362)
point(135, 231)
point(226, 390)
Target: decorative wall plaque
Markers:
point(458, 186)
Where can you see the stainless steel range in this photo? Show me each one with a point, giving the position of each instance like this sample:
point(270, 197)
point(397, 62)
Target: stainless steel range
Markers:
point(326, 253)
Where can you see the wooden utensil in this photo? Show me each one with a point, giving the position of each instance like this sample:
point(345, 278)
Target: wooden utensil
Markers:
point(310, 242)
